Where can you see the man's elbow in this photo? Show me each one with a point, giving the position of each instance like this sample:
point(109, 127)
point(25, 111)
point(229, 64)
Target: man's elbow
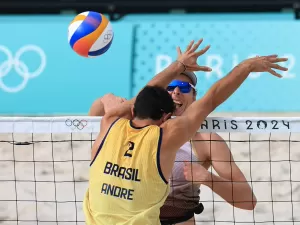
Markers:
point(97, 108)
point(251, 204)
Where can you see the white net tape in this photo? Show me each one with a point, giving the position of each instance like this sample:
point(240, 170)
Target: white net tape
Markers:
point(92, 124)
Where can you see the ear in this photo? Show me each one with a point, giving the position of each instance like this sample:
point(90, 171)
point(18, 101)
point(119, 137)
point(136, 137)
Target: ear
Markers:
point(167, 116)
point(132, 111)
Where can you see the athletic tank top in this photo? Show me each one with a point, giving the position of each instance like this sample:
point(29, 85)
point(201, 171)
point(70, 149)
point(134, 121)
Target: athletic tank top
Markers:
point(183, 194)
point(126, 185)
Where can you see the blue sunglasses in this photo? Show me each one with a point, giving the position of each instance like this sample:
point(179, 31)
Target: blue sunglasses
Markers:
point(184, 87)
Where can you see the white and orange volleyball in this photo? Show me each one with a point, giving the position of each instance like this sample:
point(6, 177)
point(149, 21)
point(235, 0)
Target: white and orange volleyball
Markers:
point(90, 34)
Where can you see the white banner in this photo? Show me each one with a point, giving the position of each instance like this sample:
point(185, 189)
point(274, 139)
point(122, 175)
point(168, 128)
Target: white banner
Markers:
point(80, 124)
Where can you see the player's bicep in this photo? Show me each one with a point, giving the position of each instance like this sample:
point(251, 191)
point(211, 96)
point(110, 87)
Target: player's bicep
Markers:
point(222, 160)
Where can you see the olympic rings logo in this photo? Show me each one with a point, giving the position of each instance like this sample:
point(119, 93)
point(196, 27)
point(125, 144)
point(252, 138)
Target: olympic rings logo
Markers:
point(76, 124)
point(20, 67)
point(107, 36)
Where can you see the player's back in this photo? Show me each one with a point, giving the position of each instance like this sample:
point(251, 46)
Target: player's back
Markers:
point(126, 183)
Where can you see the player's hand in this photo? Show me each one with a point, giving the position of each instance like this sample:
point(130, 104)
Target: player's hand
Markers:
point(196, 173)
point(190, 56)
point(111, 101)
point(266, 64)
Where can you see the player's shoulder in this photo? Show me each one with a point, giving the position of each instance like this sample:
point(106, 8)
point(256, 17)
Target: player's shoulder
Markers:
point(174, 123)
point(174, 126)
point(107, 121)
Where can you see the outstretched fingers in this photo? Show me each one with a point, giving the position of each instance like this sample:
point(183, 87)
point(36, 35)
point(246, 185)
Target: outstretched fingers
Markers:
point(274, 73)
point(271, 64)
point(276, 60)
point(178, 51)
point(202, 51)
point(194, 48)
point(202, 68)
point(271, 56)
point(278, 67)
point(189, 46)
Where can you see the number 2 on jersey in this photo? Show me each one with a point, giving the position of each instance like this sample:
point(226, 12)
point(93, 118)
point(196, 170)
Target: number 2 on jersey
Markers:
point(128, 153)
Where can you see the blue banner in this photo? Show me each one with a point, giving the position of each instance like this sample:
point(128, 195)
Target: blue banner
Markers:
point(231, 41)
point(40, 73)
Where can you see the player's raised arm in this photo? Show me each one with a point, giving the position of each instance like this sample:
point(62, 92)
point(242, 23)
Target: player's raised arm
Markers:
point(182, 128)
point(185, 61)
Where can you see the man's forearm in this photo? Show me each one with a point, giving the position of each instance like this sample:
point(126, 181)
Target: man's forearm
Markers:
point(216, 95)
point(125, 110)
point(225, 87)
point(238, 194)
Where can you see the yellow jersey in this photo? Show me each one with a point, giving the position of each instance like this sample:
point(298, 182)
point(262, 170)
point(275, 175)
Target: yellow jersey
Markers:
point(126, 184)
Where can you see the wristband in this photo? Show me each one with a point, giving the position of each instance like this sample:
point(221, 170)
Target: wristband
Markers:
point(182, 64)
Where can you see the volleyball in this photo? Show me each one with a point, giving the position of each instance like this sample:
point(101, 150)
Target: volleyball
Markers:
point(90, 34)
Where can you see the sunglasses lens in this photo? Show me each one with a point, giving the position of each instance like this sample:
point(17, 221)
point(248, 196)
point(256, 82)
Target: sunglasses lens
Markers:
point(171, 88)
point(185, 89)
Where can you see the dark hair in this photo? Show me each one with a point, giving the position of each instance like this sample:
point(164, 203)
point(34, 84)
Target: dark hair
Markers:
point(152, 102)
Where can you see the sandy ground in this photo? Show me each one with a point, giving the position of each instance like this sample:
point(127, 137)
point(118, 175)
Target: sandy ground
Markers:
point(28, 201)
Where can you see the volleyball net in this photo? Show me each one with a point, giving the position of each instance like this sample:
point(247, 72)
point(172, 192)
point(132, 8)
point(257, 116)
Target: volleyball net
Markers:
point(44, 169)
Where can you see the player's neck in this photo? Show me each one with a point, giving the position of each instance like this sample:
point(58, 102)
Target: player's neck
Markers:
point(144, 122)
